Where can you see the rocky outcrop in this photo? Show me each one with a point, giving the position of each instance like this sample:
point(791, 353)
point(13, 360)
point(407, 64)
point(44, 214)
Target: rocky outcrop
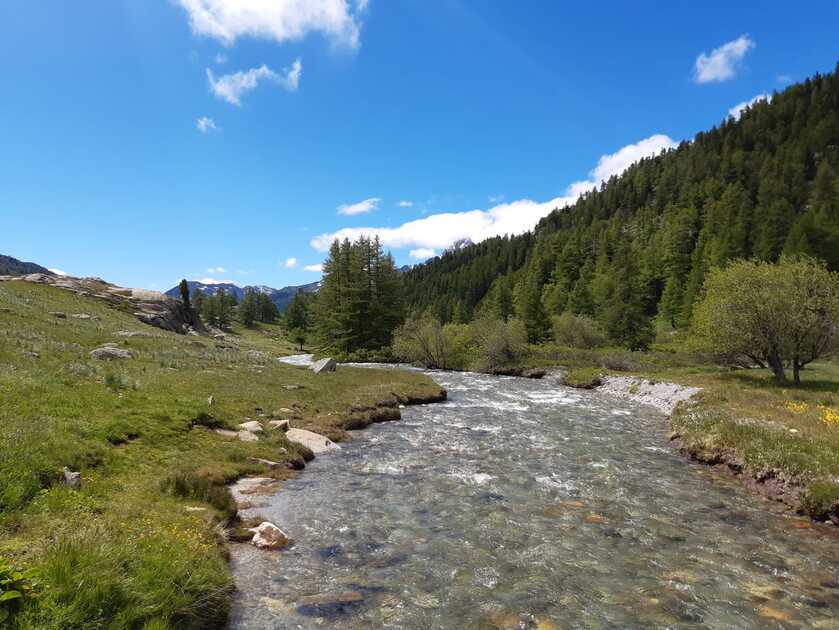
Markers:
point(315, 442)
point(324, 365)
point(150, 307)
point(108, 353)
point(71, 479)
point(266, 535)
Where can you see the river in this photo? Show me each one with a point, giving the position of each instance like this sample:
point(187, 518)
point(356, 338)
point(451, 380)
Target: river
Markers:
point(522, 504)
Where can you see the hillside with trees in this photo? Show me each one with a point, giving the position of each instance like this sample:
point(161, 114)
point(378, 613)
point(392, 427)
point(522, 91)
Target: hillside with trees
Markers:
point(635, 252)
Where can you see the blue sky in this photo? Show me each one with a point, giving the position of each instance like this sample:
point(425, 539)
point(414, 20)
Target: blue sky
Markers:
point(148, 140)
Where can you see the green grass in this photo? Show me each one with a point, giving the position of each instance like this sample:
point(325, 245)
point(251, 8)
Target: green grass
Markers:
point(124, 551)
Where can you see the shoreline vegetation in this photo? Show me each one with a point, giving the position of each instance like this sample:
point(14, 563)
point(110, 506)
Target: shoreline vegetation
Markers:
point(132, 535)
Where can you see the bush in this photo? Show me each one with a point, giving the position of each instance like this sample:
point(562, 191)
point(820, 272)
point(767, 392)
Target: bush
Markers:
point(427, 342)
point(578, 331)
point(499, 343)
point(583, 378)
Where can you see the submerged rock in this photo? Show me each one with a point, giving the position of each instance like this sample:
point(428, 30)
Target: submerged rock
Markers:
point(329, 604)
point(324, 365)
point(313, 441)
point(268, 536)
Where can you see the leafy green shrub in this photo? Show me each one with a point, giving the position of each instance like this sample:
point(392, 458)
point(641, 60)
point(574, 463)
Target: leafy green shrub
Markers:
point(578, 331)
point(15, 588)
point(192, 485)
point(499, 343)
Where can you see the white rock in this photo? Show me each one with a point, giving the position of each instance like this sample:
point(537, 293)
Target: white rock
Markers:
point(324, 365)
point(269, 536)
point(72, 479)
point(247, 436)
point(313, 441)
point(253, 426)
point(282, 425)
point(664, 396)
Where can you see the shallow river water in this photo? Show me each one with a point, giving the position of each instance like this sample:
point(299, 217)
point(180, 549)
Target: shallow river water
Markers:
point(522, 504)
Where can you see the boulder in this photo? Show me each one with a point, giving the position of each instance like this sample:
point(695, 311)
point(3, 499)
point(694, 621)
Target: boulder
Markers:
point(324, 365)
point(71, 479)
point(282, 425)
point(268, 536)
point(252, 425)
point(107, 353)
point(313, 441)
point(266, 462)
point(81, 316)
point(247, 436)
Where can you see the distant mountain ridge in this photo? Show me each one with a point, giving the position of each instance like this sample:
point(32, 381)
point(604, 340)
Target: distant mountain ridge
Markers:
point(13, 267)
point(280, 297)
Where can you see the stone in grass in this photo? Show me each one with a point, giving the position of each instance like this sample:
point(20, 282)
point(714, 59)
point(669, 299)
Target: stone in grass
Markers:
point(58, 314)
point(266, 462)
point(313, 441)
point(107, 353)
point(72, 479)
point(252, 425)
point(324, 365)
point(247, 436)
point(268, 536)
point(282, 425)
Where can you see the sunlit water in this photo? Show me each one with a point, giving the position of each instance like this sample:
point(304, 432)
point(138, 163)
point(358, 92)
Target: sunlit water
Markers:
point(519, 502)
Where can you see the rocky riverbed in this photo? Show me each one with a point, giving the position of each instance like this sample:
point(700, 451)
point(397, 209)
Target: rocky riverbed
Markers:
point(520, 504)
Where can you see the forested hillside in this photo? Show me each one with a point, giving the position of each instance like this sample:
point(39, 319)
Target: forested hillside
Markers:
point(639, 247)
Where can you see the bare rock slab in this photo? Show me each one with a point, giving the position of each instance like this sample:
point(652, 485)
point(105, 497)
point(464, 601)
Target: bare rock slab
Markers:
point(324, 365)
point(313, 441)
point(108, 353)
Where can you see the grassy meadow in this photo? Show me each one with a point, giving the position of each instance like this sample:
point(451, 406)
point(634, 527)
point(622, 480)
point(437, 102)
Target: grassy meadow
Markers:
point(141, 544)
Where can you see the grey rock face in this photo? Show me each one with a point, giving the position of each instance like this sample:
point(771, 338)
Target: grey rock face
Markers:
point(72, 479)
point(324, 365)
point(107, 353)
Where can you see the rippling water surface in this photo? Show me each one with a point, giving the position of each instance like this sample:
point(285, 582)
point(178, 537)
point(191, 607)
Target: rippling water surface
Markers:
point(522, 504)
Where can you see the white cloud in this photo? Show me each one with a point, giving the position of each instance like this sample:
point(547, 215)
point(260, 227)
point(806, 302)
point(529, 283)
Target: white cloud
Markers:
point(231, 87)
point(405, 204)
point(215, 281)
point(206, 125)
point(783, 79)
point(290, 263)
point(439, 231)
point(736, 111)
point(216, 270)
point(423, 253)
point(314, 268)
point(362, 207)
point(58, 272)
point(722, 63)
point(277, 20)
point(221, 58)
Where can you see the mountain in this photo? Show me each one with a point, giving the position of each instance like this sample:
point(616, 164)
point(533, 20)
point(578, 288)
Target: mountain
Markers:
point(280, 297)
point(13, 267)
point(761, 186)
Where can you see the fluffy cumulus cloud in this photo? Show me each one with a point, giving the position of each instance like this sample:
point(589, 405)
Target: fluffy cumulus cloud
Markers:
point(314, 268)
point(405, 203)
point(206, 125)
point(722, 63)
point(276, 20)
point(362, 207)
point(439, 231)
point(290, 263)
point(231, 87)
point(736, 111)
point(216, 270)
point(423, 253)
